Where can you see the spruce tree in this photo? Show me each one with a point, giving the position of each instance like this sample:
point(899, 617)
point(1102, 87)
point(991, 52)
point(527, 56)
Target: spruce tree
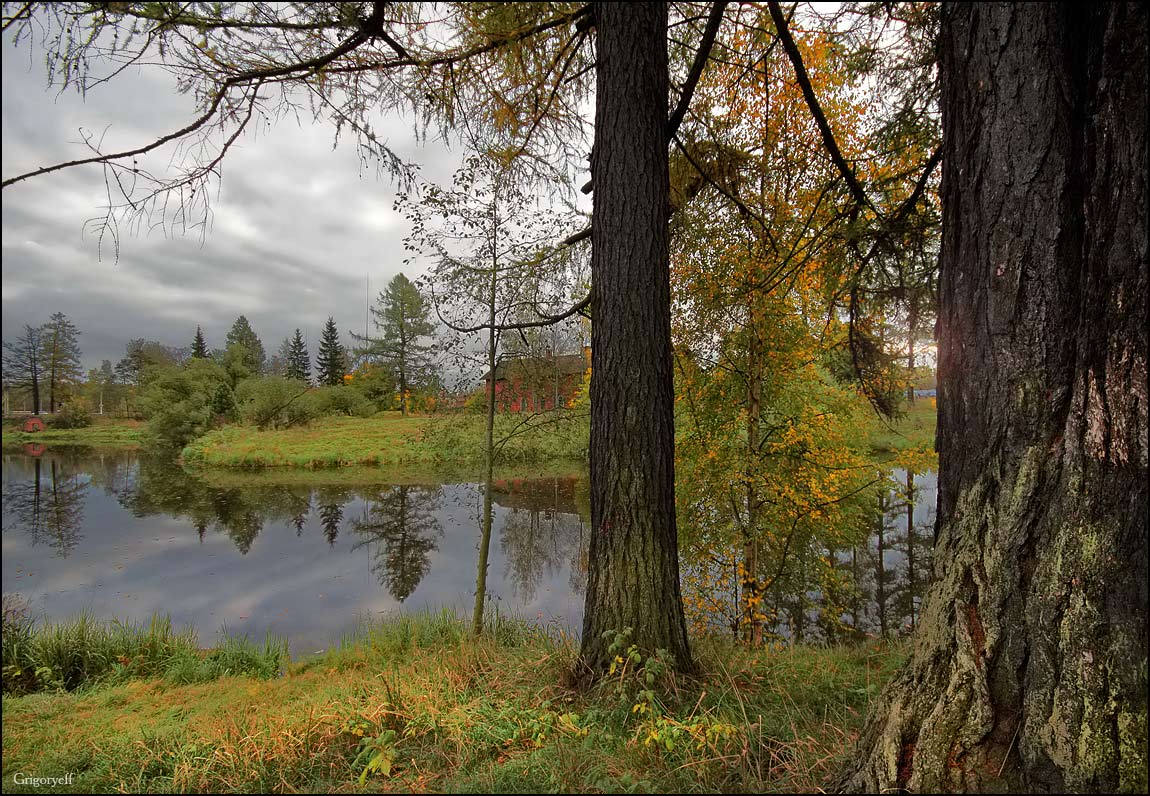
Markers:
point(402, 317)
point(199, 346)
point(242, 334)
point(332, 359)
point(61, 358)
point(298, 361)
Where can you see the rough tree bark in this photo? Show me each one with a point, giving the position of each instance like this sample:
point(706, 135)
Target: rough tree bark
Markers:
point(633, 578)
point(1028, 670)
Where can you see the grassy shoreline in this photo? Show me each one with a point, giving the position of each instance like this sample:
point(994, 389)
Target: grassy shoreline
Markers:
point(444, 441)
point(416, 704)
point(102, 432)
point(420, 445)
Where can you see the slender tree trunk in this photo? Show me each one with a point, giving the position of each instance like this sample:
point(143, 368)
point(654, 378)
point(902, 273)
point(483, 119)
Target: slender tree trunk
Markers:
point(858, 586)
point(402, 375)
point(911, 584)
point(633, 578)
point(1030, 661)
point(911, 328)
point(488, 455)
point(752, 587)
point(880, 566)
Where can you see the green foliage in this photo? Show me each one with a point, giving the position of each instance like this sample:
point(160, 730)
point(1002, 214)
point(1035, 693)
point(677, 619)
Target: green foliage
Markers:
point(73, 415)
point(83, 651)
point(331, 362)
point(142, 360)
point(298, 362)
point(199, 346)
point(273, 402)
point(402, 317)
point(180, 404)
point(340, 400)
point(242, 337)
point(236, 364)
point(377, 384)
point(61, 358)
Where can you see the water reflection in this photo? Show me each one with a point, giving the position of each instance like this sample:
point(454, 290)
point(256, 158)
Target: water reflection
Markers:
point(48, 503)
point(122, 536)
point(892, 571)
point(399, 525)
point(544, 533)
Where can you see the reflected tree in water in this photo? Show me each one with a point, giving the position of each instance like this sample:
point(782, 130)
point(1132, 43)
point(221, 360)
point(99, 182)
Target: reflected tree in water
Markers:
point(541, 534)
point(330, 516)
point(400, 524)
point(892, 572)
point(49, 505)
point(162, 487)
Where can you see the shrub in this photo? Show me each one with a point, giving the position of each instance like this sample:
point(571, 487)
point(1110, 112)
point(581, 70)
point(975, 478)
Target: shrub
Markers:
point(181, 404)
point(72, 415)
point(274, 402)
point(343, 401)
point(377, 385)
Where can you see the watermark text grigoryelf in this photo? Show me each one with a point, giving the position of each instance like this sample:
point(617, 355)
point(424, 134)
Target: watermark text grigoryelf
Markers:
point(20, 778)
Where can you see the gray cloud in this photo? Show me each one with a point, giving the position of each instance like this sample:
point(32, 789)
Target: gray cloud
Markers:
point(295, 228)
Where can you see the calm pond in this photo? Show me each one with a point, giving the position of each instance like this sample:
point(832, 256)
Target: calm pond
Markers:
point(307, 554)
point(118, 535)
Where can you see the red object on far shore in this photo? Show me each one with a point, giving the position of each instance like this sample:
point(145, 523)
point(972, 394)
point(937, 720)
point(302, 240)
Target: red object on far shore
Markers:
point(33, 424)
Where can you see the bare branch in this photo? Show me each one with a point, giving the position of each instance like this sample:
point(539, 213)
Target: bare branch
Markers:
point(705, 45)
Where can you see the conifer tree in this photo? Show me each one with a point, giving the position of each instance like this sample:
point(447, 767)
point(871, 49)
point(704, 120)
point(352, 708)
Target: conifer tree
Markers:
point(298, 360)
point(242, 334)
point(199, 346)
point(402, 316)
point(332, 359)
point(61, 358)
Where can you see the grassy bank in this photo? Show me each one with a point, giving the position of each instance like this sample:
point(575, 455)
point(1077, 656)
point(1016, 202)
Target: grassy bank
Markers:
point(84, 653)
point(103, 431)
point(912, 434)
point(388, 440)
point(415, 704)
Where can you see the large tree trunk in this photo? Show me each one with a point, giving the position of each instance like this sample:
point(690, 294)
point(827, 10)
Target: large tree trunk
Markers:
point(1029, 665)
point(633, 580)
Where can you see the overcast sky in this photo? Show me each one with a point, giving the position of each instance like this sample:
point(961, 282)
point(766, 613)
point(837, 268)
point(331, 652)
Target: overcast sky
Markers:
point(297, 228)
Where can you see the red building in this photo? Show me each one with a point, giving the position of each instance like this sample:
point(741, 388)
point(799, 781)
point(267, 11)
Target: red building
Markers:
point(535, 384)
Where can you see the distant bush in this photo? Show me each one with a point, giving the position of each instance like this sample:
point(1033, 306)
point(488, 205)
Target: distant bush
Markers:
point(182, 403)
point(343, 401)
point(476, 404)
point(377, 385)
point(273, 402)
point(72, 415)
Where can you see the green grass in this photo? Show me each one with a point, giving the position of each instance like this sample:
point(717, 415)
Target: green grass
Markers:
point(454, 441)
point(103, 431)
point(912, 435)
point(83, 652)
point(417, 704)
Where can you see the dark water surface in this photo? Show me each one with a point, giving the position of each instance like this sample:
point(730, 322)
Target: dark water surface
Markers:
point(124, 536)
point(307, 554)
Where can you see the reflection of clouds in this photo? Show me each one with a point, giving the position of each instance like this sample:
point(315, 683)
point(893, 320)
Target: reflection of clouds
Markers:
point(276, 585)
